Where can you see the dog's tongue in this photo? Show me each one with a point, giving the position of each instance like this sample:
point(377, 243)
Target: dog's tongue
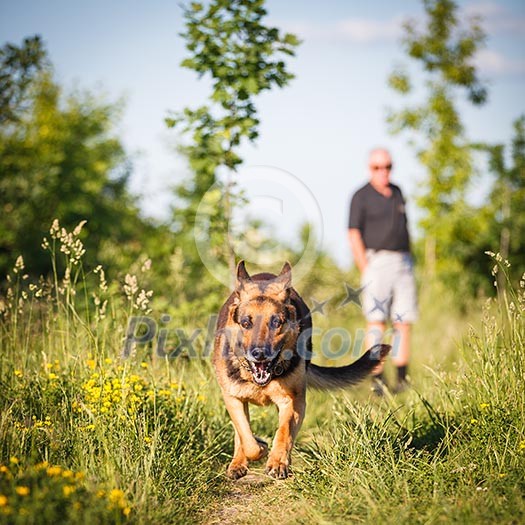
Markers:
point(261, 374)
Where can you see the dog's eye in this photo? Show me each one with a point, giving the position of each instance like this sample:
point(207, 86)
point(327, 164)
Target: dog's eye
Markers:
point(246, 323)
point(275, 322)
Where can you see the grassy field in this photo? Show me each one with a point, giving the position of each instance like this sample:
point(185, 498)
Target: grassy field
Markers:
point(89, 437)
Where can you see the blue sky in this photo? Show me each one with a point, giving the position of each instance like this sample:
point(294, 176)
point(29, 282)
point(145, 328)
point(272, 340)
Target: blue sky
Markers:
point(318, 129)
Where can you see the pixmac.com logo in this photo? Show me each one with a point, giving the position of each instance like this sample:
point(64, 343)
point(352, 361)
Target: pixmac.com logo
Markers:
point(144, 331)
point(167, 342)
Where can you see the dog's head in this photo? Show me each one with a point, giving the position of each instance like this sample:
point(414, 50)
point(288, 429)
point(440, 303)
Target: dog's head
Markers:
point(263, 323)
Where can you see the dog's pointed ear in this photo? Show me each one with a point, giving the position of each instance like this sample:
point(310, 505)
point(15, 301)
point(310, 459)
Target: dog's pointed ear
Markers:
point(280, 285)
point(245, 286)
point(243, 277)
point(285, 277)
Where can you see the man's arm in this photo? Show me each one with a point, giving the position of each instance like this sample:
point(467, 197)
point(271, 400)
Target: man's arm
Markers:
point(358, 248)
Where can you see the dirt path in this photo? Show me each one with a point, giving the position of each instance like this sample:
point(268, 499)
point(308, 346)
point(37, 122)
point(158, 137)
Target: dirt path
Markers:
point(257, 499)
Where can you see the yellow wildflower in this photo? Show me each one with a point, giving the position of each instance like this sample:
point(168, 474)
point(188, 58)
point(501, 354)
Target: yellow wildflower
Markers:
point(54, 471)
point(115, 494)
point(18, 373)
point(68, 490)
point(13, 460)
point(116, 498)
point(22, 491)
point(3, 500)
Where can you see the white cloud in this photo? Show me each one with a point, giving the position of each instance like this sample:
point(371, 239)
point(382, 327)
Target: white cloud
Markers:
point(497, 19)
point(494, 63)
point(484, 9)
point(355, 30)
point(363, 30)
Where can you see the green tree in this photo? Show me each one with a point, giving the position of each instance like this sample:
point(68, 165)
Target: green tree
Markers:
point(445, 51)
point(18, 68)
point(61, 159)
point(504, 212)
point(228, 43)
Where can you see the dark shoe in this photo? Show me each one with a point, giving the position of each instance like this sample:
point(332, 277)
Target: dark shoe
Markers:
point(402, 386)
point(379, 387)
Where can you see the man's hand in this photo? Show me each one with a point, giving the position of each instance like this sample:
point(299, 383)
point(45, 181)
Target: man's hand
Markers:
point(358, 248)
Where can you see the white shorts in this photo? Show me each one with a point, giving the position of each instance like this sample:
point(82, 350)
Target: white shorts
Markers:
point(389, 287)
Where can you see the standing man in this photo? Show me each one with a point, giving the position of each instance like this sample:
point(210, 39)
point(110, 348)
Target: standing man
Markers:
point(380, 244)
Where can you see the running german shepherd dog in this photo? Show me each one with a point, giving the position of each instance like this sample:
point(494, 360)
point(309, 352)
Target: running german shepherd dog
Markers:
point(262, 355)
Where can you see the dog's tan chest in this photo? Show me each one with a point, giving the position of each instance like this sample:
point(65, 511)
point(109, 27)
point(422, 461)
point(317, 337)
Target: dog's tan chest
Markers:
point(275, 392)
point(251, 393)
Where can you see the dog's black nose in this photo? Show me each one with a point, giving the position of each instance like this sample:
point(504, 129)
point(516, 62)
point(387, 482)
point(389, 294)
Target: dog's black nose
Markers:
point(257, 353)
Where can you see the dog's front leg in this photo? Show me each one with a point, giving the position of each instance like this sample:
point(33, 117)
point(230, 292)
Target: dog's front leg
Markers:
point(247, 447)
point(239, 464)
point(291, 414)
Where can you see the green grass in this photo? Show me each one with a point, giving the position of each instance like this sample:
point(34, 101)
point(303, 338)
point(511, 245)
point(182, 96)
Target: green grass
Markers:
point(451, 450)
point(88, 437)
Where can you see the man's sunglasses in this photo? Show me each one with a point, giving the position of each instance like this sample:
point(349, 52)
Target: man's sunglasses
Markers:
point(387, 167)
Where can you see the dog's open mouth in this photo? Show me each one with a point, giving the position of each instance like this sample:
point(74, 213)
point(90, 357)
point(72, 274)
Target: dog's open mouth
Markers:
point(261, 372)
point(264, 371)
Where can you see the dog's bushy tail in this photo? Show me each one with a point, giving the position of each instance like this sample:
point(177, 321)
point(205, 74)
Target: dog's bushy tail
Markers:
point(325, 378)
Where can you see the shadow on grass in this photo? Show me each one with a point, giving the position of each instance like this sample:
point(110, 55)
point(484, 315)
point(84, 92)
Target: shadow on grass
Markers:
point(433, 434)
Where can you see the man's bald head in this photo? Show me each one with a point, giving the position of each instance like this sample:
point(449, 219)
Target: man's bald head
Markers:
point(380, 167)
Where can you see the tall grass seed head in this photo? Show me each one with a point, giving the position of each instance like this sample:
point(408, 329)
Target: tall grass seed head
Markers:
point(19, 264)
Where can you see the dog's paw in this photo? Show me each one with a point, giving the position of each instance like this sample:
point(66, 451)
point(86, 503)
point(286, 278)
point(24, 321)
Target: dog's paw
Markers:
point(278, 469)
point(236, 470)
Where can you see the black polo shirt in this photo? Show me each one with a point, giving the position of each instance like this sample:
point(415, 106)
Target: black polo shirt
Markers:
point(381, 220)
